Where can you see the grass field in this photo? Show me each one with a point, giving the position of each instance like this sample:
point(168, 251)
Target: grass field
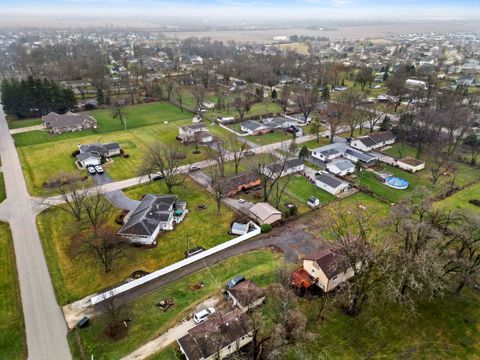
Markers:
point(136, 115)
point(148, 321)
point(459, 201)
point(446, 328)
point(76, 274)
point(302, 189)
point(17, 124)
point(40, 163)
point(12, 330)
point(3, 193)
point(270, 138)
point(257, 109)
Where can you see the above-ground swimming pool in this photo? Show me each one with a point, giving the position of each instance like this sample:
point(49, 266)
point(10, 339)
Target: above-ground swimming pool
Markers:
point(396, 182)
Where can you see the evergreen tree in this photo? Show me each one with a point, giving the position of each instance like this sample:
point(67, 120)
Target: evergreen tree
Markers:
point(274, 94)
point(326, 94)
point(304, 153)
point(100, 97)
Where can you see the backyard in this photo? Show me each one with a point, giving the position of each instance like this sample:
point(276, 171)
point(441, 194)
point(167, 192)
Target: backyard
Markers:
point(76, 274)
point(148, 321)
point(460, 200)
point(12, 331)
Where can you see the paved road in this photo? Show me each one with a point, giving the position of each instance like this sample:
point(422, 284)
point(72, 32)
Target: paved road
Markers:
point(116, 197)
point(45, 326)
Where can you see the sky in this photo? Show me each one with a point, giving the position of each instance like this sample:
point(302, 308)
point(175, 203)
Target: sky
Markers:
point(349, 9)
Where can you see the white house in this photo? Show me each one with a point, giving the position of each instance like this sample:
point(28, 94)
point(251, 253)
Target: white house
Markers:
point(288, 167)
point(330, 183)
point(373, 141)
point(89, 159)
point(333, 151)
point(225, 120)
point(103, 150)
point(252, 127)
point(410, 164)
point(415, 84)
point(198, 132)
point(154, 213)
point(341, 167)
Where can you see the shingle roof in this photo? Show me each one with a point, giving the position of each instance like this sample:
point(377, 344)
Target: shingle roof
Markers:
point(263, 210)
point(233, 182)
point(342, 165)
point(328, 179)
point(148, 214)
point(290, 163)
point(329, 262)
point(87, 155)
point(246, 292)
point(68, 119)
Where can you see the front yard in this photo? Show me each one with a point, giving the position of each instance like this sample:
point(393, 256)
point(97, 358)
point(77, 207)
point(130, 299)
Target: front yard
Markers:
point(76, 274)
point(148, 321)
point(12, 330)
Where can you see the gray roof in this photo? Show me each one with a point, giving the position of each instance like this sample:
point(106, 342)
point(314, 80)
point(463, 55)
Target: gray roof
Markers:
point(330, 149)
point(112, 146)
point(360, 155)
point(252, 125)
point(240, 227)
point(148, 214)
point(194, 126)
point(68, 119)
point(328, 179)
point(290, 163)
point(87, 155)
point(342, 165)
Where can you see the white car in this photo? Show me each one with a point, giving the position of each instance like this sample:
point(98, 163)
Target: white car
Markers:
point(203, 315)
point(241, 201)
point(91, 170)
point(99, 169)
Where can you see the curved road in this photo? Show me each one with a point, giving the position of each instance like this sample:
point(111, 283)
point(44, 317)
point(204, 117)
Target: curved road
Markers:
point(45, 325)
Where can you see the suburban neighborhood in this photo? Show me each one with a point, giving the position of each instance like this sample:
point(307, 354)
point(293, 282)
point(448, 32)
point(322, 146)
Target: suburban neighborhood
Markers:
point(275, 186)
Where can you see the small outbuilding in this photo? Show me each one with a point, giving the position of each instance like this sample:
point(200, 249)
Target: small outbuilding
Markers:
point(264, 213)
point(410, 164)
point(330, 183)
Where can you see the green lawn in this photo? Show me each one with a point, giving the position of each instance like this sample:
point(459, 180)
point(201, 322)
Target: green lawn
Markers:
point(136, 115)
point(400, 150)
point(257, 109)
point(302, 189)
point(40, 163)
point(21, 123)
point(3, 194)
point(459, 201)
point(12, 331)
point(75, 274)
point(148, 321)
point(445, 328)
point(270, 138)
point(313, 144)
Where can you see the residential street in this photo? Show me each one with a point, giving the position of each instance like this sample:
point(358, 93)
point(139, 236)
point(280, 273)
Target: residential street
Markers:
point(46, 330)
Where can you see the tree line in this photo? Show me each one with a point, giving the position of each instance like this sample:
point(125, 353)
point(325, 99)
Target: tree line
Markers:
point(34, 97)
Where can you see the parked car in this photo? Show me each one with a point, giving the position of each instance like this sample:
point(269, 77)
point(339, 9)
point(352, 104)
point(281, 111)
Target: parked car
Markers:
point(91, 170)
point(241, 201)
point(157, 177)
point(249, 153)
point(99, 169)
point(203, 315)
point(194, 168)
point(234, 281)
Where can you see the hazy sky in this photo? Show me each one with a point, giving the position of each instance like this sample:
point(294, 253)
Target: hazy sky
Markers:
point(370, 9)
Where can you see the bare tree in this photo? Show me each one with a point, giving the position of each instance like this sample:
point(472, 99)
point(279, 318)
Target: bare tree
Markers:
point(220, 93)
point(397, 87)
point(199, 91)
point(105, 245)
point(218, 154)
point(119, 111)
point(166, 160)
point(334, 119)
point(316, 127)
point(336, 69)
point(177, 93)
point(113, 309)
point(72, 192)
point(242, 104)
point(169, 84)
point(306, 100)
point(349, 104)
point(98, 209)
point(216, 185)
point(237, 149)
point(285, 98)
point(364, 76)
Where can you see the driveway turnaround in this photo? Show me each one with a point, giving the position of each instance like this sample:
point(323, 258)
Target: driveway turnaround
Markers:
point(45, 326)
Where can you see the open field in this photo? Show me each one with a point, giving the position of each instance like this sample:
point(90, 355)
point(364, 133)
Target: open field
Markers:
point(459, 201)
point(40, 163)
point(148, 321)
point(256, 110)
point(17, 124)
point(76, 274)
point(136, 115)
point(12, 331)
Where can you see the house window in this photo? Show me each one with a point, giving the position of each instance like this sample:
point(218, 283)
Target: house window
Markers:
point(334, 278)
point(313, 271)
point(229, 347)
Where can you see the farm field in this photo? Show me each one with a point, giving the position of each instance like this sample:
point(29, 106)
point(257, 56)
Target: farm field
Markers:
point(76, 274)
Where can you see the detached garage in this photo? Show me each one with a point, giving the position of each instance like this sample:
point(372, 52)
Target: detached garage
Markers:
point(264, 213)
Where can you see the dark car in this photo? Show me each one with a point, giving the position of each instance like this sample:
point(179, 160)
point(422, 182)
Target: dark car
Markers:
point(249, 153)
point(194, 251)
point(157, 177)
point(234, 281)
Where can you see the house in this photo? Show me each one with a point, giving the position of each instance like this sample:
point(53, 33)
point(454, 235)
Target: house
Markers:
point(330, 183)
point(225, 120)
point(327, 269)
point(103, 150)
point(246, 295)
point(333, 151)
point(264, 213)
point(68, 122)
point(465, 81)
point(154, 213)
point(89, 159)
point(410, 164)
point(283, 168)
point(252, 127)
point(341, 167)
point(373, 141)
point(218, 337)
point(195, 132)
point(232, 185)
point(238, 85)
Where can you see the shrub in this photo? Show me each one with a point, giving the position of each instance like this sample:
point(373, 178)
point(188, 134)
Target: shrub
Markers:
point(122, 151)
point(126, 156)
point(475, 202)
point(266, 228)
point(75, 153)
